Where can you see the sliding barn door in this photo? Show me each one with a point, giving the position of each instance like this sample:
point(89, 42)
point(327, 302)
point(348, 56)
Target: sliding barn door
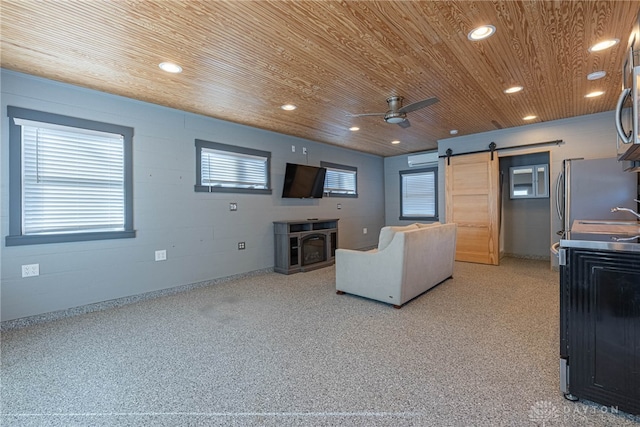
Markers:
point(472, 202)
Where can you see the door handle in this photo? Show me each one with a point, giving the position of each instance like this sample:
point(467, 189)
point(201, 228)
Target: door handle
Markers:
point(559, 209)
point(626, 139)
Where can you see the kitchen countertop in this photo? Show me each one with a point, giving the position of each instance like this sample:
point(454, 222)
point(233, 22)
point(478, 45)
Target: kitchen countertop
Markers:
point(603, 235)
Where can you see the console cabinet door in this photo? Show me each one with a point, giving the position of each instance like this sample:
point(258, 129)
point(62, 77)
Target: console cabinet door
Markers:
point(604, 328)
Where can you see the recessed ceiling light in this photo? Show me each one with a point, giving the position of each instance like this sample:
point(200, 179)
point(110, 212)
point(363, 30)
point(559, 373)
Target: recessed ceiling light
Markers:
point(453, 131)
point(529, 117)
point(170, 67)
point(354, 128)
point(594, 94)
point(605, 44)
point(481, 33)
point(513, 89)
point(596, 75)
point(288, 107)
point(396, 142)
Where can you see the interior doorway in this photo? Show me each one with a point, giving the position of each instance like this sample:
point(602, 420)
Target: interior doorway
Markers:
point(525, 222)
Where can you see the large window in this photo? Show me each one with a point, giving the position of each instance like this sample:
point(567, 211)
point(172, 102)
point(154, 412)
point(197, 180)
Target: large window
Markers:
point(419, 194)
point(231, 169)
point(70, 179)
point(340, 180)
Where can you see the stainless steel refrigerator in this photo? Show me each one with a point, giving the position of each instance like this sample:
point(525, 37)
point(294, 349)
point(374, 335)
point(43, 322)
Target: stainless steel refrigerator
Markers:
point(589, 189)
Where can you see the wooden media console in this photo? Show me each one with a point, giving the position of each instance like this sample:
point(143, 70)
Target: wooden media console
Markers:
point(304, 245)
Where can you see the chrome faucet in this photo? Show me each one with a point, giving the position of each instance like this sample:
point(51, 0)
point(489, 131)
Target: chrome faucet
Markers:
point(617, 209)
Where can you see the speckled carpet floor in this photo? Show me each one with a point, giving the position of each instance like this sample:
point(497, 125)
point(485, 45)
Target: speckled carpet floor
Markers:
point(275, 350)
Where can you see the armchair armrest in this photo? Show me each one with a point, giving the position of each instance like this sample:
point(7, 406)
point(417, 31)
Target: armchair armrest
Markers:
point(369, 274)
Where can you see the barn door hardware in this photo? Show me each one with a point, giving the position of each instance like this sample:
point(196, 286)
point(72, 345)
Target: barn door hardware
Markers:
point(493, 147)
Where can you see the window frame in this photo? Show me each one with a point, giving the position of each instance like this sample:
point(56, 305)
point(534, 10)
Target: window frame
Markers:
point(345, 168)
point(433, 169)
point(535, 182)
point(15, 236)
point(200, 144)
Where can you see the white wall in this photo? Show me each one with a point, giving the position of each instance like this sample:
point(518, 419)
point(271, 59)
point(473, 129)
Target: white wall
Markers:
point(198, 231)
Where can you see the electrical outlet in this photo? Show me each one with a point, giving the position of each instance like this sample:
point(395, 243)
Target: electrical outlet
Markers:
point(339, 205)
point(364, 231)
point(233, 206)
point(161, 255)
point(304, 150)
point(30, 270)
point(241, 245)
point(293, 148)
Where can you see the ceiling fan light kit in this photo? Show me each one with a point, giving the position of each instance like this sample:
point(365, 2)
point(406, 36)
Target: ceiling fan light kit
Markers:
point(394, 117)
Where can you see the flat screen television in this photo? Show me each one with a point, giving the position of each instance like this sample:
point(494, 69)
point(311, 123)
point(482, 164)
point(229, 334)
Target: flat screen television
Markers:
point(303, 182)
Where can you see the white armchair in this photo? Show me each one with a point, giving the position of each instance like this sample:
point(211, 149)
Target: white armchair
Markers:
point(409, 261)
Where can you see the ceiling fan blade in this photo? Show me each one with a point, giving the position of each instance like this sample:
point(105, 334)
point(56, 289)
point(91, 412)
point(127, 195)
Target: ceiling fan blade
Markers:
point(404, 124)
point(365, 114)
point(418, 105)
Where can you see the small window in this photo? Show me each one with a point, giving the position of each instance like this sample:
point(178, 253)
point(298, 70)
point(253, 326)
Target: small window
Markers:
point(529, 182)
point(231, 169)
point(70, 179)
point(340, 180)
point(419, 194)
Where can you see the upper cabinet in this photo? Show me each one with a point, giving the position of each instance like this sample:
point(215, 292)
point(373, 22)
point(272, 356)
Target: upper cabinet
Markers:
point(529, 182)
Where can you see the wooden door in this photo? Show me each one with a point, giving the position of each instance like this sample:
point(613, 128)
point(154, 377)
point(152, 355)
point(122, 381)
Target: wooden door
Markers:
point(472, 202)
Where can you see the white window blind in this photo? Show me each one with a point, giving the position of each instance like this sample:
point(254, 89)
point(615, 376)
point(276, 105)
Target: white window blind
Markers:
point(233, 170)
point(340, 181)
point(419, 194)
point(72, 179)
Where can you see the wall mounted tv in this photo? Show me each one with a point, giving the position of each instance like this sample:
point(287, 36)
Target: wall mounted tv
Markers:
point(303, 182)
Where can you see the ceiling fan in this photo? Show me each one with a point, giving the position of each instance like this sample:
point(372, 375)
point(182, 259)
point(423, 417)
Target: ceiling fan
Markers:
point(397, 114)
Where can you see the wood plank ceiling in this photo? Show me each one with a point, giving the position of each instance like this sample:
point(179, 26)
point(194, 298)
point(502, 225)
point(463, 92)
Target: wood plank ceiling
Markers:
point(243, 59)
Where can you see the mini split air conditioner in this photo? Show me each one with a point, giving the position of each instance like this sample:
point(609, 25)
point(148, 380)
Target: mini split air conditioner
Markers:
point(423, 159)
